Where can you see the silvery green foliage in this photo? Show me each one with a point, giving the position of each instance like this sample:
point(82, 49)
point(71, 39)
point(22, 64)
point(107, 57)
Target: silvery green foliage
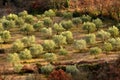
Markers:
point(76, 21)
point(58, 28)
point(72, 69)
point(59, 40)
point(107, 46)
point(98, 22)
point(67, 15)
point(47, 69)
point(86, 18)
point(37, 26)
point(103, 35)
point(89, 27)
point(19, 22)
point(13, 58)
point(17, 67)
point(115, 43)
point(49, 13)
point(1, 27)
point(17, 46)
point(114, 31)
point(47, 32)
point(27, 28)
point(63, 51)
point(90, 38)
point(12, 17)
point(29, 19)
point(8, 24)
point(80, 44)
point(28, 41)
point(49, 45)
point(5, 35)
point(67, 24)
point(95, 50)
point(25, 54)
point(36, 50)
point(68, 35)
point(48, 21)
point(50, 56)
point(23, 14)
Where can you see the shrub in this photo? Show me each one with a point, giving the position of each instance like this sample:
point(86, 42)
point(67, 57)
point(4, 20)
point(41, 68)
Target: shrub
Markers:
point(19, 22)
point(86, 18)
point(68, 35)
point(25, 54)
point(50, 57)
point(107, 47)
point(12, 17)
point(48, 22)
point(47, 32)
point(23, 14)
point(76, 21)
point(95, 50)
point(36, 50)
point(80, 44)
point(49, 13)
point(98, 22)
point(1, 27)
point(103, 35)
point(90, 39)
point(72, 69)
point(58, 28)
point(114, 31)
point(67, 15)
point(89, 27)
point(29, 19)
point(58, 75)
point(37, 26)
point(27, 28)
point(17, 67)
point(59, 40)
point(8, 24)
point(17, 46)
point(6, 36)
point(63, 51)
point(47, 69)
point(48, 45)
point(67, 24)
point(28, 41)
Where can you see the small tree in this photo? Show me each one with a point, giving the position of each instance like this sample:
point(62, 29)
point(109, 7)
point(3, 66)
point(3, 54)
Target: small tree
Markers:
point(12, 17)
point(47, 69)
point(103, 35)
point(50, 13)
point(63, 51)
point(48, 22)
point(1, 42)
point(29, 19)
point(36, 50)
point(1, 28)
point(28, 41)
point(72, 69)
point(67, 15)
point(95, 50)
point(49, 45)
point(27, 28)
point(58, 28)
point(86, 18)
point(8, 24)
point(89, 27)
point(19, 22)
point(47, 32)
point(68, 35)
point(5, 35)
point(90, 39)
point(23, 14)
point(37, 26)
point(50, 57)
point(67, 24)
point(59, 40)
point(98, 22)
point(80, 44)
point(76, 21)
point(17, 46)
point(114, 31)
point(25, 54)
point(107, 47)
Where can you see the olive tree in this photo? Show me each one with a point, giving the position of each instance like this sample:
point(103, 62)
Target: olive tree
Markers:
point(1, 28)
point(29, 19)
point(27, 28)
point(98, 22)
point(8, 24)
point(47, 32)
point(48, 22)
point(58, 28)
point(63, 51)
point(47, 69)
point(72, 69)
point(19, 22)
point(25, 54)
point(12, 17)
point(49, 45)
point(68, 35)
point(95, 50)
point(50, 13)
point(23, 14)
point(37, 26)
point(103, 35)
point(50, 56)
point(1, 42)
point(76, 21)
point(36, 50)
point(90, 38)
point(59, 40)
point(67, 15)
point(17, 45)
point(107, 46)
point(6, 36)
point(80, 44)
point(114, 31)
point(86, 18)
point(89, 27)
point(67, 24)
